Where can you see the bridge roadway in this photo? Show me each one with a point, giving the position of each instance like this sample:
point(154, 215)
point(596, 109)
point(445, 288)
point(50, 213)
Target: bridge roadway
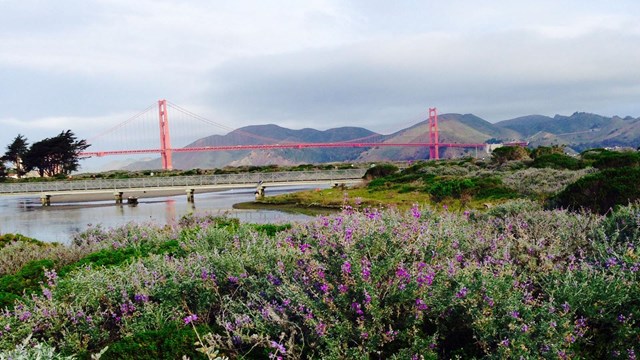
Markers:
point(190, 184)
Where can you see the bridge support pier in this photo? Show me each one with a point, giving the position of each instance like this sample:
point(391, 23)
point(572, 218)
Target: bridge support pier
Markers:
point(118, 196)
point(191, 195)
point(45, 200)
point(259, 192)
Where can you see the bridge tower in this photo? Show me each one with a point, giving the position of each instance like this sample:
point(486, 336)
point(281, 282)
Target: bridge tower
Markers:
point(434, 140)
point(165, 140)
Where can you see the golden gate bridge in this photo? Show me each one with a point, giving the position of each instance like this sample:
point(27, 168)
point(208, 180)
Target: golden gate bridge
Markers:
point(166, 150)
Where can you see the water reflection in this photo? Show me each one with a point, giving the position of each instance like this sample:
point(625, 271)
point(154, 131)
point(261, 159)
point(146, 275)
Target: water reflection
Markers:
point(61, 221)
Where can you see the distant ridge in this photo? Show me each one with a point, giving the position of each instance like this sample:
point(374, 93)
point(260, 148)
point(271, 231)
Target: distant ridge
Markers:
point(578, 131)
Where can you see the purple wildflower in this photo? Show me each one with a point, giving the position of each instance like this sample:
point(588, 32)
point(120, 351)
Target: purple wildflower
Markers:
point(189, 319)
point(462, 293)
point(321, 329)
point(346, 267)
point(141, 298)
point(324, 288)
point(357, 308)
point(24, 316)
point(279, 347)
point(415, 211)
point(420, 305)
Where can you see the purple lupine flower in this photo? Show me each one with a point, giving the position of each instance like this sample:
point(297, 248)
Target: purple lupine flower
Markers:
point(415, 211)
point(462, 293)
point(189, 319)
point(324, 288)
point(233, 279)
point(357, 308)
point(504, 343)
point(566, 307)
point(141, 298)
point(367, 297)
point(51, 276)
point(279, 347)
point(515, 314)
point(525, 328)
point(47, 293)
point(343, 288)
point(24, 316)
point(421, 305)
point(321, 329)
point(489, 300)
point(304, 247)
point(274, 280)
point(346, 267)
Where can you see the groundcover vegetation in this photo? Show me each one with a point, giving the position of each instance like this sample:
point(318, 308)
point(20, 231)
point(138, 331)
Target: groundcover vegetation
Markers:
point(516, 281)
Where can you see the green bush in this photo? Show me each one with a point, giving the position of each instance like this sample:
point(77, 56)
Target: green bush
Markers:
point(607, 159)
point(478, 187)
point(602, 191)
point(271, 229)
point(558, 161)
point(380, 170)
point(171, 342)
point(26, 281)
point(9, 238)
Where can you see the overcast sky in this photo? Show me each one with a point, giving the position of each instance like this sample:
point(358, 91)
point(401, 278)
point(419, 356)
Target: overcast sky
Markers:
point(86, 65)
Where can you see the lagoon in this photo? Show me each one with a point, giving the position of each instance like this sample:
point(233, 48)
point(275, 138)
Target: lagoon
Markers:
point(60, 222)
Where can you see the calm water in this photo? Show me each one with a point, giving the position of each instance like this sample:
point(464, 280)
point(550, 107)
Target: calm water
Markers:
point(25, 215)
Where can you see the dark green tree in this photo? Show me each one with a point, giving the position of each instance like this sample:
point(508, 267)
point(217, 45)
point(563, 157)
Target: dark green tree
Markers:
point(15, 154)
point(55, 156)
point(3, 171)
point(509, 153)
point(547, 150)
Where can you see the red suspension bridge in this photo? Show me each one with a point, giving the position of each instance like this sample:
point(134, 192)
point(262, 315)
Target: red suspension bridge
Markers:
point(166, 150)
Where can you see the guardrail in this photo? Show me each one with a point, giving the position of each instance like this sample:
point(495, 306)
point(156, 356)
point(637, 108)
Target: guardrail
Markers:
point(180, 181)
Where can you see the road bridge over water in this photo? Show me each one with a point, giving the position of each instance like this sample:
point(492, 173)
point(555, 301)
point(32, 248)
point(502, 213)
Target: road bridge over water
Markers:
point(190, 184)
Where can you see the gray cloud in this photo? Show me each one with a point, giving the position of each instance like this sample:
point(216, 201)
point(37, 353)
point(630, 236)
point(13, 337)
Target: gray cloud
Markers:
point(90, 64)
point(496, 75)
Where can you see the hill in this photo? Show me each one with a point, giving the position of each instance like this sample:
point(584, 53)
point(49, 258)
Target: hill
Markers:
point(266, 134)
point(579, 131)
point(453, 128)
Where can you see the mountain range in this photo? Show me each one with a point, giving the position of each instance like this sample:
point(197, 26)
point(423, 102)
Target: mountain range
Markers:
point(577, 132)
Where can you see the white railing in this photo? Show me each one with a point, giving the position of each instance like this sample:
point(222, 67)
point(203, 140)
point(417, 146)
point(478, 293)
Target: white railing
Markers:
point(182, 181)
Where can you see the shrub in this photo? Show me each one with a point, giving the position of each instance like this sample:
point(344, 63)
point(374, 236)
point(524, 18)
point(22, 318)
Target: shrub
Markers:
point(170, 342)
point(515, 282)
point(602, 191)
point(26, 281)
point(380, 170)
point(509, 153)
point(607, 159)
point(557, 161)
